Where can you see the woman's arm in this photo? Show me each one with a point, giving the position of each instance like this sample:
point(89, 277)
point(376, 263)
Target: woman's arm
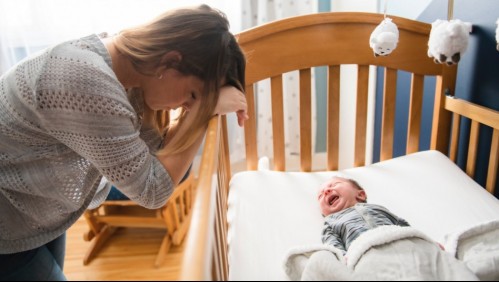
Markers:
point(230, 100)
point(178, 164)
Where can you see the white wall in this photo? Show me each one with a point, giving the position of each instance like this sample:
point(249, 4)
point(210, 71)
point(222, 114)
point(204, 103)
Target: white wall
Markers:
point(35, 24)
point(403, 8)
point(406, 8)
point(354, 5)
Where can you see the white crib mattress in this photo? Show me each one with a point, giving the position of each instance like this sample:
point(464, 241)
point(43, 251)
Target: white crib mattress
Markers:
point(271, 212)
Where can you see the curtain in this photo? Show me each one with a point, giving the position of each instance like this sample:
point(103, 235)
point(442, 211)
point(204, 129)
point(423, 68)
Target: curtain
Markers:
point(257, 12)
point(27, 26)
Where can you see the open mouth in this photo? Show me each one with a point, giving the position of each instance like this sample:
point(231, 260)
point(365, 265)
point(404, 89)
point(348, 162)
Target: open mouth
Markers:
point(332, 199)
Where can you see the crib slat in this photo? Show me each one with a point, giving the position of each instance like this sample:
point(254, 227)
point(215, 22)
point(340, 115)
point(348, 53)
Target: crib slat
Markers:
point(493, 162)
point(188, 197)
point(225, 155)
point(221, 175)
point(472, 148)
point(416, 103)
point(224, 179)
point(167, 216)
point(250, 130)
point(305, 120)
point(223, 194)
point(182, 207)
point(440, 128)
point(361, 113)
point(221, 239)
point(217, 260)
point(278, 123)
point(388, 119)
point(218, 245)
point(176, 217)
point(333, 117)
point(456, 123)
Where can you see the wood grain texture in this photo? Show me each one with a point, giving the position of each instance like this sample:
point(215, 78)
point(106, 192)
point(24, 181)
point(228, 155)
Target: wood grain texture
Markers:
point(333, 117)
point(454, 144)
point(130, 256)
point(278, 123)
point(361, 116)
point(250, 130)
point(305, 120)
point(388, 117)
point(493, 163)
point(415, 109)
point(472, 148)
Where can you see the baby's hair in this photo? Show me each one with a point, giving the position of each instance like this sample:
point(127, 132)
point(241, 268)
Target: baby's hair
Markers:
point(357, 185)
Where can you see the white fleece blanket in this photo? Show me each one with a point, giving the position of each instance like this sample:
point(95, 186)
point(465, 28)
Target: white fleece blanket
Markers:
point(478, 248)
point(384, 253)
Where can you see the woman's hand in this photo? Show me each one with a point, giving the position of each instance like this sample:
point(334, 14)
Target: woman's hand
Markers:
point(232, 100)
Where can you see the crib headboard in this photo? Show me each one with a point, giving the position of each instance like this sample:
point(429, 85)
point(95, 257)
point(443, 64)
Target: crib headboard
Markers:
point(325, 39)
point(332, 40)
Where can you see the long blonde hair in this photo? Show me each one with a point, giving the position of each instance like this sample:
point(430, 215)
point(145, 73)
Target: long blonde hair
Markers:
point(209, 51)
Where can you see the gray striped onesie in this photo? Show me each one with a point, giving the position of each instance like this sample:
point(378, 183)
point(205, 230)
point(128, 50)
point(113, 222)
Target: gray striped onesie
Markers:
point(343, 227)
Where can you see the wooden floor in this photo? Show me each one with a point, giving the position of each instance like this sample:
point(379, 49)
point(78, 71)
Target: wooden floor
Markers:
point(129, 255)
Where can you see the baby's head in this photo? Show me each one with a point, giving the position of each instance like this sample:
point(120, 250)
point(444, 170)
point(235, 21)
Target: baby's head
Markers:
point(340, 193)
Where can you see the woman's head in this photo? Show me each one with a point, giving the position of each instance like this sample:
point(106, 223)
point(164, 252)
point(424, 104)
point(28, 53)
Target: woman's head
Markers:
point(192, 46)
point(340, 193)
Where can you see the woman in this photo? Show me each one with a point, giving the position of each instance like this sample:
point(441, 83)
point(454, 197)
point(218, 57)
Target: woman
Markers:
point(97, 107)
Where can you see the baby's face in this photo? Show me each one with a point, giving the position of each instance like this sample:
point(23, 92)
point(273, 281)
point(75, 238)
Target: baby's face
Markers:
point(338, 194)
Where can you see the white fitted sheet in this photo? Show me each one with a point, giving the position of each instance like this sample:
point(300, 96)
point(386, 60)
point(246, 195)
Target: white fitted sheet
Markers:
point(271, 212)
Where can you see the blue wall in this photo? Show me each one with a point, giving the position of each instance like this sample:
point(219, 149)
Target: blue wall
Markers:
point(477, 81)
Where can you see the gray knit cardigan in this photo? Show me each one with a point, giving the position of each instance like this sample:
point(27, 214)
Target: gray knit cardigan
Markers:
point(66, 121)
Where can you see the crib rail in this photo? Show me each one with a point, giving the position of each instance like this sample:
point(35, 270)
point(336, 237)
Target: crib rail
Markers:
point(479, 116)
point(205, 255)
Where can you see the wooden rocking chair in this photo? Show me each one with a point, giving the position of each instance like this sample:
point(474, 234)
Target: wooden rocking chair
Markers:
point(174, 216)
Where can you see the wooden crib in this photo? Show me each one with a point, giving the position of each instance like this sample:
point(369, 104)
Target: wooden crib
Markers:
point(327, 39)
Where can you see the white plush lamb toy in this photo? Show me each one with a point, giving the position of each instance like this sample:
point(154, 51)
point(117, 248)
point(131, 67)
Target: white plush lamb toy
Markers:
point(448, 41)
point(384, 38)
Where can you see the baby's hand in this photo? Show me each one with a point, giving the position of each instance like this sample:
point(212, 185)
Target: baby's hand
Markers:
point(441, 246)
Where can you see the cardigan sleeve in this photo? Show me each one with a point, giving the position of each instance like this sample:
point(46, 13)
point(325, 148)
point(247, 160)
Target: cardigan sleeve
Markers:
point(84, 106)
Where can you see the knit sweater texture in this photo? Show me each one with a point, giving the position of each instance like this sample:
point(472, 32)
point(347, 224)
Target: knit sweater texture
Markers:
point(66, 121)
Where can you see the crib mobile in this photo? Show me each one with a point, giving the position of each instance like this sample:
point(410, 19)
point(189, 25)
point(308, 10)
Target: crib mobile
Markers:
point(384, 38)
point(447, 43)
